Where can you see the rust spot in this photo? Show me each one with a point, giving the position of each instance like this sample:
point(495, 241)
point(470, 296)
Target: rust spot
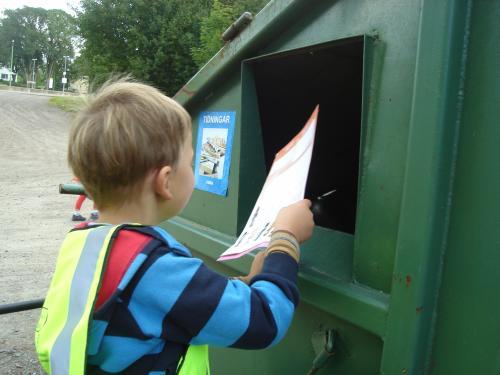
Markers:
point(408, 281)
point(419, 309)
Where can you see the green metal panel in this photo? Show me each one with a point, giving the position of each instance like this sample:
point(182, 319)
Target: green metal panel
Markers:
point(424, 194)
point(389, 99)
point(425, 210)
point(294, 355)
point(467, 329)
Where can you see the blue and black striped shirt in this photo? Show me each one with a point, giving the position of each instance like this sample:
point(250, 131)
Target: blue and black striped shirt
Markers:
point(156, 299)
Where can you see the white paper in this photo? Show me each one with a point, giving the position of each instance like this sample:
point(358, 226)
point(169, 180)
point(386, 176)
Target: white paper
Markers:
point(285, 184)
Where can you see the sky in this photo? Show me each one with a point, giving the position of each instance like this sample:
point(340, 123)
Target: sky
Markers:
point(47, 4)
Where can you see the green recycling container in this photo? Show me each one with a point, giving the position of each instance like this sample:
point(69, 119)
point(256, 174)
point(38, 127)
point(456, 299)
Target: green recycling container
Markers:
point(402, 274)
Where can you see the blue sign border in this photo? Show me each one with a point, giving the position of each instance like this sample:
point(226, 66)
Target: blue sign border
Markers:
point(214, 185)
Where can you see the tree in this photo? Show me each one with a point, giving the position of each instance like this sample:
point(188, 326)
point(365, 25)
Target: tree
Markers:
point(220, 17)
point(60, 33)
point(222, 14)
point(45, 35)
point(152, 40)
point(25, 26)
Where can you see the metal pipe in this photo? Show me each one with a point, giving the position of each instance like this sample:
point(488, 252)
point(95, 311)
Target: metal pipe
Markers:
point(11, 63)
point(75, 189)
point(64, 79)
point(21, 306)
point(237, 26)
point(33, 85)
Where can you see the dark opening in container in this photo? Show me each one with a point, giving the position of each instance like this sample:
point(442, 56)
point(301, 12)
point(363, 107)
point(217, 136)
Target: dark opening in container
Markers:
point(289, 85)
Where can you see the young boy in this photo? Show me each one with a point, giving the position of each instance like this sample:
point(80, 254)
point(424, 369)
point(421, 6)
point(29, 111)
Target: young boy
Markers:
point(128, 298)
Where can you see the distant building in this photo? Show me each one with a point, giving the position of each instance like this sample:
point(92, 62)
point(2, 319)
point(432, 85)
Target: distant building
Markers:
point(4, 74)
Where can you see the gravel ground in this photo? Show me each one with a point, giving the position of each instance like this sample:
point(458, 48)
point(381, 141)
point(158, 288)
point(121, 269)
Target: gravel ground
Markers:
point(34, 216)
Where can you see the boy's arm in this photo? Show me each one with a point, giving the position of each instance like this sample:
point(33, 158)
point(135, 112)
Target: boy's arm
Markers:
point(267, 310)
point(182, 300)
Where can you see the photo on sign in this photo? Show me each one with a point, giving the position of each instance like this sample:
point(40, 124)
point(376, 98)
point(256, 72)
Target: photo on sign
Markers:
point(213, 152)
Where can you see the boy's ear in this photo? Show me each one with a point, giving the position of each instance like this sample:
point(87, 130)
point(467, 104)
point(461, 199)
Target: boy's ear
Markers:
point(162, 182)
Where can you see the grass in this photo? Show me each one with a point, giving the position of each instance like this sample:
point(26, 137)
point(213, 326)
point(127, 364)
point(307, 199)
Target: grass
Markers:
point(67, 103)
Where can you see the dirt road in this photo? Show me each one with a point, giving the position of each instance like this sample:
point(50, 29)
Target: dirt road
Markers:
point(34, 217)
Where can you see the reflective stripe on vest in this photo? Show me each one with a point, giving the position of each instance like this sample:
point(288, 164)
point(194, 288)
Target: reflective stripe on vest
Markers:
point(62, 330)
point(61, 337)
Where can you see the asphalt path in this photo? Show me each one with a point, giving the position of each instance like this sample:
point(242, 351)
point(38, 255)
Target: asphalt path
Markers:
point(34, 217)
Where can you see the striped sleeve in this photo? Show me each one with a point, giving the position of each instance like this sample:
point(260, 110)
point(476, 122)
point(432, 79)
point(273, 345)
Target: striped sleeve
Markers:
point(180, 299)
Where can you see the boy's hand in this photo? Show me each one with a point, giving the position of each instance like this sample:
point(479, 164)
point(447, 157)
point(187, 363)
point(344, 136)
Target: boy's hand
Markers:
point(296, 219)
point(256, 268)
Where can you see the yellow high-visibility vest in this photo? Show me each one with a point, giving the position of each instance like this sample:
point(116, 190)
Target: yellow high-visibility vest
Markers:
point(62, 330)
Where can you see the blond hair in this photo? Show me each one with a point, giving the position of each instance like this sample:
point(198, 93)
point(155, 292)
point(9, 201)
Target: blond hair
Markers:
point(126, 130)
